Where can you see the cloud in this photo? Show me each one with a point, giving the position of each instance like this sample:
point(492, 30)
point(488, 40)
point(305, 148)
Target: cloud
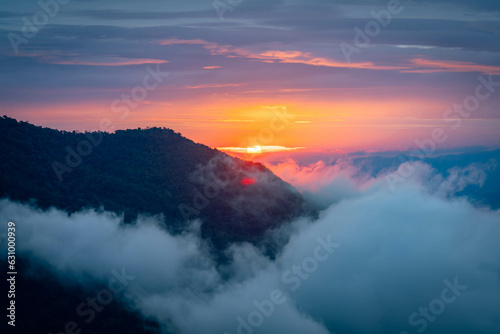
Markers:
point(391, 254)
point(306, 58)
point(76, 245)
point(215, 86)
point(397, 248)
point(293, 57)
point(109, 61)
point(326, 184)
point(175, 41)
point(70, 58)
point(280, 56)
point(416, 65)
point(487, 5)
point(434, 66)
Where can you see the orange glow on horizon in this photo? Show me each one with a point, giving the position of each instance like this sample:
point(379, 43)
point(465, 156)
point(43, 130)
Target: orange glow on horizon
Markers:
point(237, 123)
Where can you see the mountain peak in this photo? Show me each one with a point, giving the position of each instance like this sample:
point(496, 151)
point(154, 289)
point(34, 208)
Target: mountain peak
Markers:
point(152, 171)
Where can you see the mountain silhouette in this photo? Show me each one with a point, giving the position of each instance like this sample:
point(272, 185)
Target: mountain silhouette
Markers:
point(152, 171)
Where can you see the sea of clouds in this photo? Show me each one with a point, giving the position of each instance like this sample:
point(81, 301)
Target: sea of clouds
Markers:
point(406, 259)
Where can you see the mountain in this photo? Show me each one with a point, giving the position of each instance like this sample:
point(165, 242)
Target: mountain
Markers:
point(486, 194)
point(45, 304)
point(151, 171)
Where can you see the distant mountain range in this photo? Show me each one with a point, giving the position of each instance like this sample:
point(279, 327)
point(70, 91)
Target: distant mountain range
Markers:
point(487, 194)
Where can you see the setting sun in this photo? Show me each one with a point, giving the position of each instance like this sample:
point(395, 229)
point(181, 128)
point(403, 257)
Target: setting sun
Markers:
point(254, 149)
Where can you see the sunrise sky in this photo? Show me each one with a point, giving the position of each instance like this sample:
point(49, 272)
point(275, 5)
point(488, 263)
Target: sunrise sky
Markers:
point(275, 71)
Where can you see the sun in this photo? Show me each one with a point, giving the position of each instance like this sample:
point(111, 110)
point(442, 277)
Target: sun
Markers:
point(254, 149)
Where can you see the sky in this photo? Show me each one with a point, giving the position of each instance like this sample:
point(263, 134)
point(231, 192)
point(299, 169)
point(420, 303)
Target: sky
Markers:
point(282, 75)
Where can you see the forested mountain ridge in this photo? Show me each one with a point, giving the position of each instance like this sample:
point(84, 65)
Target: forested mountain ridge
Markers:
point(152, 171)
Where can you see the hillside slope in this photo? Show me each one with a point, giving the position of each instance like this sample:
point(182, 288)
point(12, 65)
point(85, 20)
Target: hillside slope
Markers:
point(153, 171)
